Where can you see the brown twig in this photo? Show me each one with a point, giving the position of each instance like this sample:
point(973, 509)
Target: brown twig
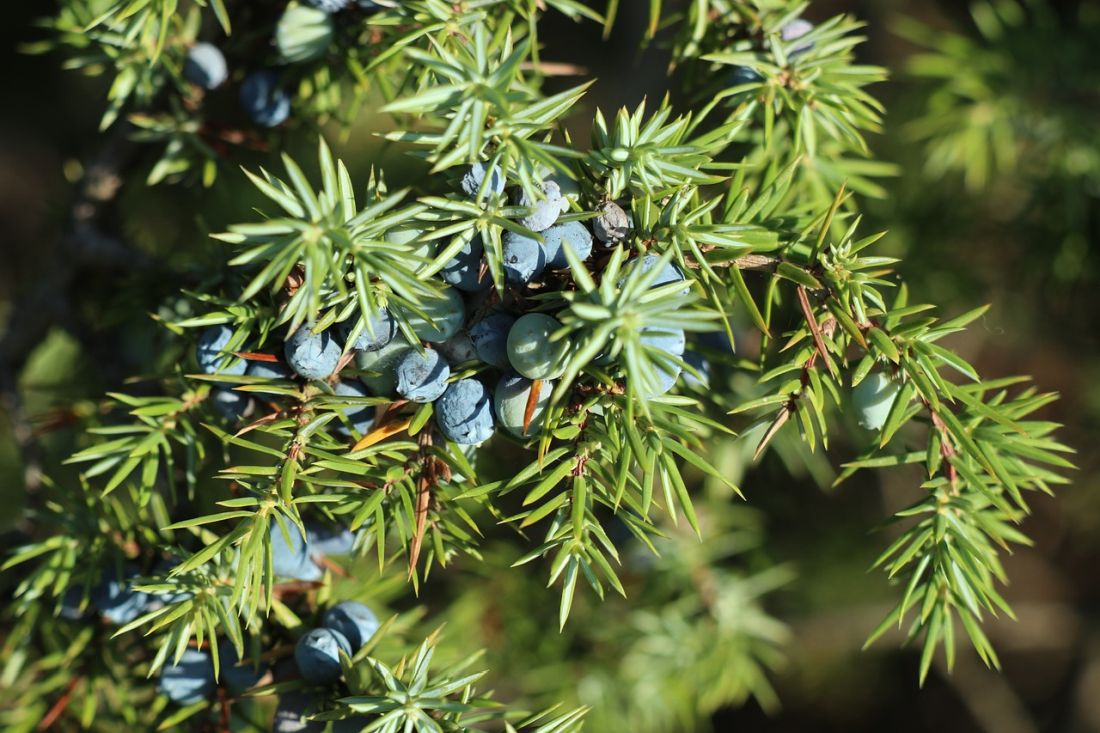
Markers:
point(423, 499)
point(815, 329)
point(58, 707)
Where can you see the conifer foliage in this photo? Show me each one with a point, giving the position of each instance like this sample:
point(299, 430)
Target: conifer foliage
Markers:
point(333, 432)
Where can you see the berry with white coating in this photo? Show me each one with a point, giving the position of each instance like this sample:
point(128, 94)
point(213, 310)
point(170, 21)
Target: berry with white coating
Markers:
point(669, 273)
point(422, 376)
point(354, 620)
point(317, 654)
point(793, 31)
point(291, 713)
point(523, 258)
point(458, 349)
point(328, 540)
point(361, 418)
point(873, 398)
point(231, 404)
point(264, 100)
point(464, 269)
point(291, 555)
point(530, 350)
point(446, 313)
point(464, 414)
point(268, 370)
point(378, 330)
point(117, 601)
point(205, 66)
point(312, 355)
point(612, 225)
point(377, 366)
point(571, 234)
point(474, 178)
point(672, 343)
point(700, 364)
point(543, 211)
point(190, 680)
point(510, 400)
point(303, 33)
point(214, 354)
point(490, 339)
point(238, 676)
point(424, 251)
point(329, 6)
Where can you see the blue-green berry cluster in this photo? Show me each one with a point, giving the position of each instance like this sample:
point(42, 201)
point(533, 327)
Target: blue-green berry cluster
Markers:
point(483, 354)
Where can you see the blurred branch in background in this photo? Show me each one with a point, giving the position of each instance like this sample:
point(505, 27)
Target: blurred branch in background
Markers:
point(85, 250)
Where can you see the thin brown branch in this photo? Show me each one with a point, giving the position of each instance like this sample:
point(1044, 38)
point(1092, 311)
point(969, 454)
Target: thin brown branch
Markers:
point(815, 329)
point(58, 707)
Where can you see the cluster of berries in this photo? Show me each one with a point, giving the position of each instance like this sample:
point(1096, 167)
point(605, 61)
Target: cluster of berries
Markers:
point(464, 322)
point(303, 33)
point(345, 628)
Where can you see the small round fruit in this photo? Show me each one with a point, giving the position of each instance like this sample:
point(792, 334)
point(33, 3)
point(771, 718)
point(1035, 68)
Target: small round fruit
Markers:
point(670, 273)
point(422, 376)
point(741, 75)
point(510, 403)
point(378, 330)
point(205, 66)
point(464, 269)
point(264, 100)
point(490, 339)
point(317, 655)
point(458, 349)
point(361, 418)
point(410, 235)
point(329, 6)
point(612, 225)
point(328, 540)
point(117, 601)
point(291, 555)
point(446, 313)
point(232, 405)
point(474, 178)
point(717, 341)
point(523, 258)
point(71, 605)
point(530, 350)
point(571, 234)
point(378, 365)
point(464, 414)
point(238, 676)
point(793, 31)
point(214, 355)
point(671, 342)
point(545, 211)
point(303, 33)
point(290, 714)
point(268, 370)
point(699, 363)
point(355, 621)
point(873, 398)
point(312, 355)
point(189, 681)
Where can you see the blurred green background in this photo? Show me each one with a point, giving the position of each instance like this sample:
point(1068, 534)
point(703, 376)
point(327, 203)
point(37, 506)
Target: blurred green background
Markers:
point(1025, 237)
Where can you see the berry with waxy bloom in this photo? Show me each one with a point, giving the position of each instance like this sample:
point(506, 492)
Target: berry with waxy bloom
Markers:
point(464, 413)
point(205, 66)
